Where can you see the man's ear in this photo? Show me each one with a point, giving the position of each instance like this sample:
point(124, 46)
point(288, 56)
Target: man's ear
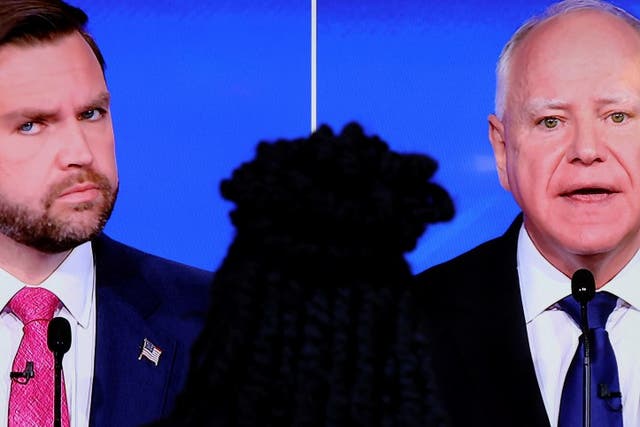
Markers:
point(498, 143)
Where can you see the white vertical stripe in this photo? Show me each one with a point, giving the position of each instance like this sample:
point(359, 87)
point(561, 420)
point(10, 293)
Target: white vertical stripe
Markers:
point(314, 65)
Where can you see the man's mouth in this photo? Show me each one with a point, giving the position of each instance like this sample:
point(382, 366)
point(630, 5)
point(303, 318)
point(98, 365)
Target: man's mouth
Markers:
point(589, 193)
point(79, 188)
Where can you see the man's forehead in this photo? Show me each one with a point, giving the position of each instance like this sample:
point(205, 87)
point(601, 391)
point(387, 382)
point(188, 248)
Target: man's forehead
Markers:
point(577, 28)
point(65, 49)
point(569, 47)
point(50, 75)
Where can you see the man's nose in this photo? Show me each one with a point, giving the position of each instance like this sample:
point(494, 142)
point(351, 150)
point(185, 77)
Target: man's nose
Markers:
point(588, 144)
point(75, 148)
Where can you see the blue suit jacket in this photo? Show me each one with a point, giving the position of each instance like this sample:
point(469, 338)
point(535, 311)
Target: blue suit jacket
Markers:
point(481, 355)
point(142, 296)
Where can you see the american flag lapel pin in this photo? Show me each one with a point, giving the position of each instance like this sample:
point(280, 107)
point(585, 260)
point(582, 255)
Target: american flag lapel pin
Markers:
point(150, 351)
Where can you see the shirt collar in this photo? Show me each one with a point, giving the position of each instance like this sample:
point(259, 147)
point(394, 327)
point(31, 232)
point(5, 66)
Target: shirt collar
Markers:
point(542, 285)
point(72, 282)
point(626, 284)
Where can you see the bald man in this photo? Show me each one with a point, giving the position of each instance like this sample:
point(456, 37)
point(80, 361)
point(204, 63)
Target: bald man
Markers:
point(566, 140)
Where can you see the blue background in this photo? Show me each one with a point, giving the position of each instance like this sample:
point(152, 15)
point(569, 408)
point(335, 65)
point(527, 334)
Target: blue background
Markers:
point(197, 84)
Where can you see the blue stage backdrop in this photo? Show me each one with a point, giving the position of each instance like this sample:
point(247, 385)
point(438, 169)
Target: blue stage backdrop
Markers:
point(197, 83)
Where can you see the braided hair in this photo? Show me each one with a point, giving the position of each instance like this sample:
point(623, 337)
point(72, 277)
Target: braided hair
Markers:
point(311, 321)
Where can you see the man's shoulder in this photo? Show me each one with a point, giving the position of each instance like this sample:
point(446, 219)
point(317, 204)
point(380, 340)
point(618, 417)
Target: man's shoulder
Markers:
point(129, 261)
point(134, 274)
point(140, 296)
point(479, 258)
point(489, 259)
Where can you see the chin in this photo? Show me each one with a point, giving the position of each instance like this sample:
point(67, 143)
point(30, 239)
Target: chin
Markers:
point(593, 243)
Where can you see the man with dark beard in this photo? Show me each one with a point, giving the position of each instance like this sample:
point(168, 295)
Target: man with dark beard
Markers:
point(133, 316)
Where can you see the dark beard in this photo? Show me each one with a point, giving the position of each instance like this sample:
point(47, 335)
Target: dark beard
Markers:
point(50, 234)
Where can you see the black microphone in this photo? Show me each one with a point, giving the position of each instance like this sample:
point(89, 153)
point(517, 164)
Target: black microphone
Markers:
point(59, 342)
point(23, 377)
point(583, 289)
point(583, 286)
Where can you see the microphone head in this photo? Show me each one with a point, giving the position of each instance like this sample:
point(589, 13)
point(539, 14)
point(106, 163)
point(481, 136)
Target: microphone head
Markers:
point(583, 286)
point(59, 335)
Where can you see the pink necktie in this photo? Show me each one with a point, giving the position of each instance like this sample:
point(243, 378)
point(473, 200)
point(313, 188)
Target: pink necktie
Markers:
point(31, 402)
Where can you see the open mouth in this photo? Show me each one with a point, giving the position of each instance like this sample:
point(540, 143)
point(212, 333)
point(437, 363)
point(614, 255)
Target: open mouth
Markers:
point(589, 193)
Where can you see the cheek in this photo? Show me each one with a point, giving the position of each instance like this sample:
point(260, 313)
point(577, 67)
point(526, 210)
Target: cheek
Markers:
point(628, 157)
point(19, 152)
point(518, 164)
point(104, 152)
point(531, 170)
point(103, 148)
point(106, 164)
point(24, 182)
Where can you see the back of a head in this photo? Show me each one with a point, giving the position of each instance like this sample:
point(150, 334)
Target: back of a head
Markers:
point(311, 318)
point(26, 22)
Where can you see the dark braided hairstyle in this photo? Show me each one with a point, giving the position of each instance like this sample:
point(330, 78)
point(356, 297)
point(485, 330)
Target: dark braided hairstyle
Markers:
point(311, 321)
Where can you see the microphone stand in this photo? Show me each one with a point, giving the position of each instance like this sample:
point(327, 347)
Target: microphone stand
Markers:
point(586, 367)
point(57, 394)
point(583, 289)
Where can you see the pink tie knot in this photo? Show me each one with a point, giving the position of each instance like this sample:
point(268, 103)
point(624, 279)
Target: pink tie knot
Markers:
point(34, 303)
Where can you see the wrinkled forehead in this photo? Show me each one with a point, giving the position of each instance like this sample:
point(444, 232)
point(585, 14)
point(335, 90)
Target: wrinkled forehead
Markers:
point(579, 47)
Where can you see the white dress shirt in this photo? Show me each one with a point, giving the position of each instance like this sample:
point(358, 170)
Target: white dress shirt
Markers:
point(553, 335)
point(73, 283)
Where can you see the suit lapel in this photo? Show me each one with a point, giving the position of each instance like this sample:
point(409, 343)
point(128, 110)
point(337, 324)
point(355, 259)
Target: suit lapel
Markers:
point(507, 361)
point(126, 390)
point(486, 372)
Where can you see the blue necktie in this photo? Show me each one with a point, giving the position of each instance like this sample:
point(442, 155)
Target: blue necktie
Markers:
point(606, 404)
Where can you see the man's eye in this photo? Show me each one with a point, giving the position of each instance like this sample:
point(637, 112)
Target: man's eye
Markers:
point(550, 122)
point(29, 128)
point(92, 114)
point(618, 117)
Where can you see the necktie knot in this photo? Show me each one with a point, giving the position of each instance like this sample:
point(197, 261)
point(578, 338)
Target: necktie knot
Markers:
point(604, 391)
point(598, 309)
point(34, 303)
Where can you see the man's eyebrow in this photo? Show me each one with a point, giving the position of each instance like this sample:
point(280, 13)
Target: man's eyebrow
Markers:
point(617, 99)
point(536, 105)
point(102, 101)
point(33, 114)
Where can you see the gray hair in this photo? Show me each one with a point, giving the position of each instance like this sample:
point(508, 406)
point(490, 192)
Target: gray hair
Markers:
point(556, 9)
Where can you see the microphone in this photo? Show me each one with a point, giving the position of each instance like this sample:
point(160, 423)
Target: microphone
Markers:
point(23, 377)
point(583, 289)
point(583, 286)
point(59, 336)
point(59, 342)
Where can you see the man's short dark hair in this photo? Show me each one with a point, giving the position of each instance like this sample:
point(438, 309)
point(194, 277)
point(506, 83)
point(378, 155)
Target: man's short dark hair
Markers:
point(28, 22)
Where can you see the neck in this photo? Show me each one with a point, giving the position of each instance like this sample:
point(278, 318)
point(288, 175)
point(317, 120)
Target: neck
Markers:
point(27, 264)
point(604, 267)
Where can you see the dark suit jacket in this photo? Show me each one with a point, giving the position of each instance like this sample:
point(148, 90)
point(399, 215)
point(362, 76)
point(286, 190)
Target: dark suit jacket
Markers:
point(142, 296)
point(481, 355)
